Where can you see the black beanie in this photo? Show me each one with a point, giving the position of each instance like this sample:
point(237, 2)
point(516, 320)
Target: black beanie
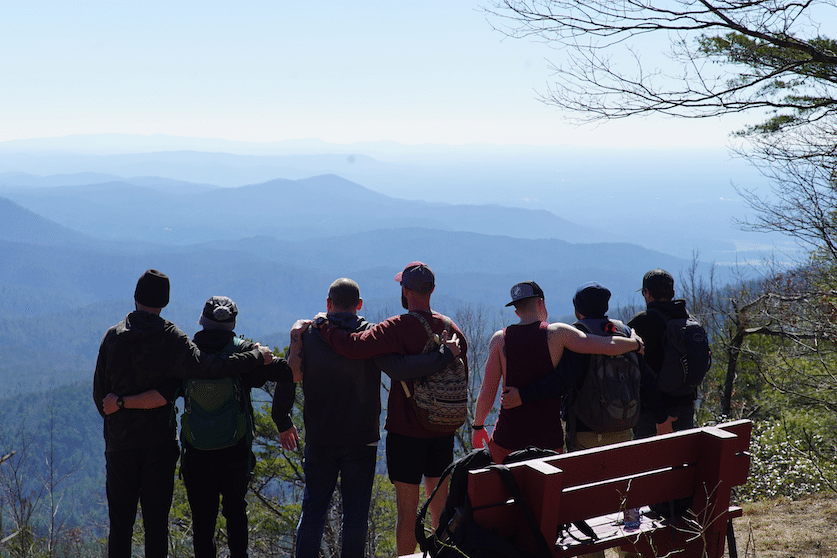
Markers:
point(153, 289)
point(591, 300)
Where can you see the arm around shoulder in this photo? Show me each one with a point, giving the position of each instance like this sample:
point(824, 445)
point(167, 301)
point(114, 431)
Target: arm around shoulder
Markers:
point(578, 341)
point(381, 339)
point(410, 367)
point(217, 366)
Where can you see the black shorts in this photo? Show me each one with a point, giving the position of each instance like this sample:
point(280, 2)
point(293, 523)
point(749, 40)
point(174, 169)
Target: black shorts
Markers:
point(408, 459)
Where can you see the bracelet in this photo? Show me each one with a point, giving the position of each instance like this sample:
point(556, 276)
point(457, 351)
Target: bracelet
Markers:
point(477, 426)
point(639, 345)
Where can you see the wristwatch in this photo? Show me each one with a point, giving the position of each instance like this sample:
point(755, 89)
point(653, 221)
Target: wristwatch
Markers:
point(120, 402)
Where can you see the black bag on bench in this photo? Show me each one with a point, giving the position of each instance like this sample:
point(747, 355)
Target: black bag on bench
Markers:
point(457, 533)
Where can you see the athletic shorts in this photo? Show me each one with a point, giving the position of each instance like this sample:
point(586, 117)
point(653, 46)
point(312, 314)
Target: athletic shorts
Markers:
point(408, 459)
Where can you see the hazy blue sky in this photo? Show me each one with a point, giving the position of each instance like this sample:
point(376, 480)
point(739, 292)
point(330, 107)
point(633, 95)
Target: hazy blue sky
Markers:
point(412, 71)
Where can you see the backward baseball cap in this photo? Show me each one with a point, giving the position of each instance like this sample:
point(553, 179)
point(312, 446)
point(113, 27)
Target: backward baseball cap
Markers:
point(525, 290)
point(417, 276)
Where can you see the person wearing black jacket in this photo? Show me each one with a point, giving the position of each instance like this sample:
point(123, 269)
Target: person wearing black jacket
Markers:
point(141, 364)
point(650, 324)
point(342, 419)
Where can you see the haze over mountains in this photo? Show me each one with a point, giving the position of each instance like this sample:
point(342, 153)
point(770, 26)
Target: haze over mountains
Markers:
point(74, 241)
point(688, 194)
point(170, 212)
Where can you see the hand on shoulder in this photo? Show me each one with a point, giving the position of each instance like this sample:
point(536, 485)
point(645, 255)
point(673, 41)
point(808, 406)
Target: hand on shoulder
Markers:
point(266, 353)
point(451, 343)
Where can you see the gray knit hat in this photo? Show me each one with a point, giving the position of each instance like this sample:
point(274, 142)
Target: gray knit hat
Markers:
point(219, 312)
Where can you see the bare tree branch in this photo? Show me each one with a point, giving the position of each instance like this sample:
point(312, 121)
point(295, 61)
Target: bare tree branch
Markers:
point(726, 56)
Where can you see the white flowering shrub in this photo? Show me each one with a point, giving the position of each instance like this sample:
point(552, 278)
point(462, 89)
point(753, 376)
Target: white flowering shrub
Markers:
point(788, 460)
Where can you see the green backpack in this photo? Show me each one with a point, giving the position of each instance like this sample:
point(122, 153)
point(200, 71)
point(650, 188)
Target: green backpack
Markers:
point(216, 411)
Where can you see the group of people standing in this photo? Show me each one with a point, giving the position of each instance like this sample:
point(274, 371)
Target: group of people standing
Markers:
point(542, 368)
point(145, 362)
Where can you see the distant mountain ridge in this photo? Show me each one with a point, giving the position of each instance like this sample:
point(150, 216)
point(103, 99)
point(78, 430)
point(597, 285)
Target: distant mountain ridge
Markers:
point(290, 209)
point(19, 224)
point(25, 180)
point(688, 193)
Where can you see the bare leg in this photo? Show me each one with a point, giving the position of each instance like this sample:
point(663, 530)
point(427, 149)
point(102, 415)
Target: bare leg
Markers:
point(407, 501)
point(438, 503)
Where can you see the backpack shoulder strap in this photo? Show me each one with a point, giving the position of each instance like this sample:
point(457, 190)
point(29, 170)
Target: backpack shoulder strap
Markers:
point(447, 323)
point(432, 338)
point(604, 327)
point(581, 327)
point(232, 347)
point(620, 329)
point(431, 344)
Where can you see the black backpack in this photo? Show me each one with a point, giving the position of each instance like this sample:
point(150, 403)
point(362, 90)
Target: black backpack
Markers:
point(457, 533)
point(686, 355)
point(609, 397)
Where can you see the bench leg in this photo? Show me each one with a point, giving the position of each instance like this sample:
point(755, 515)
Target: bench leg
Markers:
point(731, 547)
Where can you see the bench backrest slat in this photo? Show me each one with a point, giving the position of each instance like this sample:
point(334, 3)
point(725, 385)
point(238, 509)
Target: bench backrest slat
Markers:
point(627, 458)
point(592, 501)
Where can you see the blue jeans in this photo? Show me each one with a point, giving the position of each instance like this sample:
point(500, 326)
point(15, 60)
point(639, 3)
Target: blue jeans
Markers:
point(356, 466)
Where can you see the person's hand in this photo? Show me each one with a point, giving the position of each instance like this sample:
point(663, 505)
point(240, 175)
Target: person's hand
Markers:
point(510, 398)
point(637, 339)
point(666, 427)
point(109, 403)
point(300, 326)
point(452, 343)
point(319, 319)
point(266, 353)
point(480, 438)
point(289, 438)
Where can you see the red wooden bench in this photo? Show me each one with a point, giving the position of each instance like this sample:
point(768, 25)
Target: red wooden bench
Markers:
point(596, 485)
